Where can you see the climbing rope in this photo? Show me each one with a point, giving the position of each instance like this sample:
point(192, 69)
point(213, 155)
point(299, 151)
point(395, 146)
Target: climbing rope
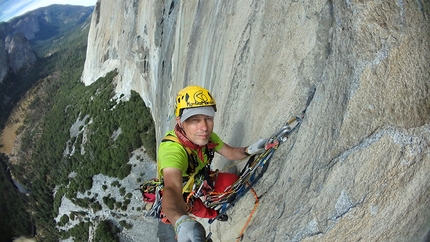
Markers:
point(240, 237)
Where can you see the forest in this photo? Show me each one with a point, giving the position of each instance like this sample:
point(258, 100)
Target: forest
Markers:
point(49, 153)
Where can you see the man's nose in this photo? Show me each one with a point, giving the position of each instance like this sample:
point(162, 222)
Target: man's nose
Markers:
point(204, 125)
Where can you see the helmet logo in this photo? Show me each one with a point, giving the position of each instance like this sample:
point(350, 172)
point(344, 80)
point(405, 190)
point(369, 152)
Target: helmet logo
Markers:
point(200, 98)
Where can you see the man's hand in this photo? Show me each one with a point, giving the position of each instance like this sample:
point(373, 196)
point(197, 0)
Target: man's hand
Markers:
point(189, 230)
point(257, 147)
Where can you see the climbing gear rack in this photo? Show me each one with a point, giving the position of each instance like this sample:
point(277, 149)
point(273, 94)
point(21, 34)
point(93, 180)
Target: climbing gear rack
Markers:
point(252, 171)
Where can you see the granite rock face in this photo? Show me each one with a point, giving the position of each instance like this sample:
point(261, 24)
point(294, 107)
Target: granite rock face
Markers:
point(21, 53)
point(358, 168)
point(4, 61)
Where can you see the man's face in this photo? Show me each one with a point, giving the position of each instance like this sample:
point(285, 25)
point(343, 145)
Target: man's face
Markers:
point(198, 128)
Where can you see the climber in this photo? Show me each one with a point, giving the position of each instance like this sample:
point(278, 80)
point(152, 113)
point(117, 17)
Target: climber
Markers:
point(194, 111)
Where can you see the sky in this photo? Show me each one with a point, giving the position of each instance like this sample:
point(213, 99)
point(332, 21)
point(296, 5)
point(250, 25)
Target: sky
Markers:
point(13, 8)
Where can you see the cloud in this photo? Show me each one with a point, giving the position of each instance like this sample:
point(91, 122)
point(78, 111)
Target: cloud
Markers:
point(10, 8)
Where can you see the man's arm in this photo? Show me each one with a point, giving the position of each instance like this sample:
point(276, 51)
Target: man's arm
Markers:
point(233, 153)
point(173, 203)
point(239, 153)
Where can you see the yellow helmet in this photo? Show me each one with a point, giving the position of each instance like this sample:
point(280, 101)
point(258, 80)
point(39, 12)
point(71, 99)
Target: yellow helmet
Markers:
point(191, 97)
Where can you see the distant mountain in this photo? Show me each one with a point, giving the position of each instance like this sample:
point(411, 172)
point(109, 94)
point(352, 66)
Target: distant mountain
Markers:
point(23, 38)
point(49, 22)
point(27, 40)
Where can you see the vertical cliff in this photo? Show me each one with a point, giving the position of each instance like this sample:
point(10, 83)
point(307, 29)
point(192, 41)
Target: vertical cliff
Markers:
point(358, 167)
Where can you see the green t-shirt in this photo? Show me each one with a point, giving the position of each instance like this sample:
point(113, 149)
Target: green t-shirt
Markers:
point(172, 154)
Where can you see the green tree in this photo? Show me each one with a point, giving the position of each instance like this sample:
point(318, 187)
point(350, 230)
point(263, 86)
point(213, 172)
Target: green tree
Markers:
point(106, 232)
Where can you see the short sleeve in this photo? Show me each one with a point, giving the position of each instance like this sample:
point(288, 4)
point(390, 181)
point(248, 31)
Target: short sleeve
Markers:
point(216, 139)
point(172, 154)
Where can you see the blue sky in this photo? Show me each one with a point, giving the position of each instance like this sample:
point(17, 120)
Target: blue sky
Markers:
point(13, 8)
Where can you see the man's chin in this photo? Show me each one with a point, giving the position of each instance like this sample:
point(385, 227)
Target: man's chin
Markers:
point(201, 142)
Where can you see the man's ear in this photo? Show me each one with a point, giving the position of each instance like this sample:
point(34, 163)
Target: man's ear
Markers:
point(178, 121)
